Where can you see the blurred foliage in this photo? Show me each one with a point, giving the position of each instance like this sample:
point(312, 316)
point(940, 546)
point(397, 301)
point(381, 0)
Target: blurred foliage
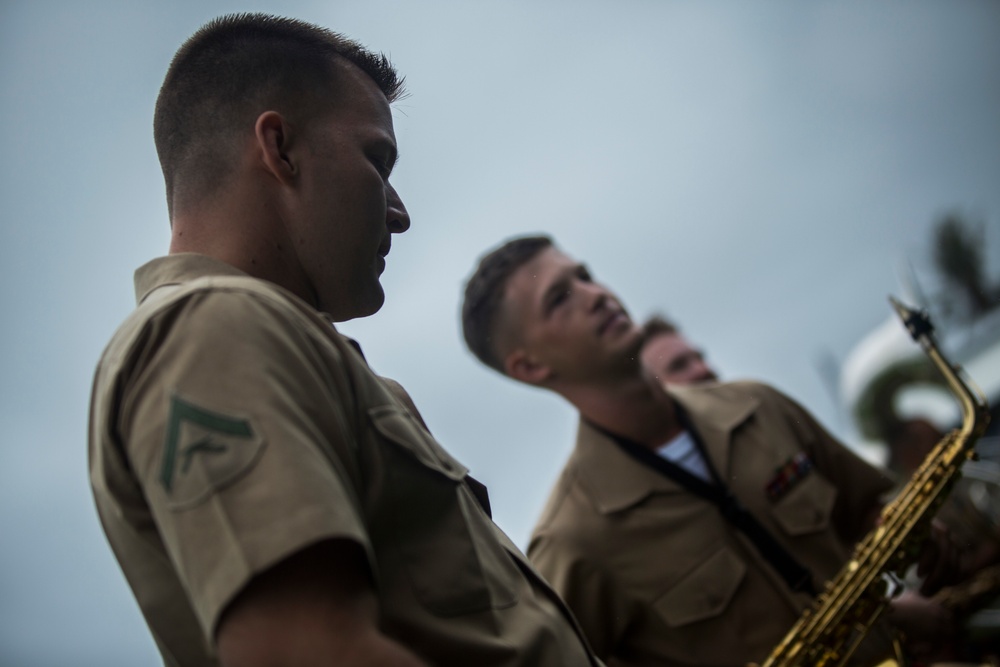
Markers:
point(875, 410)
point(959, 252)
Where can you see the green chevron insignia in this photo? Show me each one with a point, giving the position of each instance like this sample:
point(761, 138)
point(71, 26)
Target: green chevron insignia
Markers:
point(195, 433)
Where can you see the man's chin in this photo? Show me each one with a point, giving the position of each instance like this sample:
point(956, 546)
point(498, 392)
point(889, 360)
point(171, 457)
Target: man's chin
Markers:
point(362, 307)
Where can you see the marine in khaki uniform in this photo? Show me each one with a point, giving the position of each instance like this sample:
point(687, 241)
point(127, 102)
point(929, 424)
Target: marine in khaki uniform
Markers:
point(656, 572)
point(693, 591)
point(270, 499)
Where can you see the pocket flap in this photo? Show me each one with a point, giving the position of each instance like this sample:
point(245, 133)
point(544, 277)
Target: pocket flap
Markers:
point(703, 593)
point(806, 508)
point(398, 427)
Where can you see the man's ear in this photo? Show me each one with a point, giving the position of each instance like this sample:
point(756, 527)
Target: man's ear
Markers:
point(274, 137)
point(521, 366)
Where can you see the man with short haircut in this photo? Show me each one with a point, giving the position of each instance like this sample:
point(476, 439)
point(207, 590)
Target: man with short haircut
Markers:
point(669, 355)
point(691, 525)
point(270, 499)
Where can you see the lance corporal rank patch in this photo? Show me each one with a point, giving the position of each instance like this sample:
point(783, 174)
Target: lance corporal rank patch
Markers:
point(787, 475)
point(204, 452)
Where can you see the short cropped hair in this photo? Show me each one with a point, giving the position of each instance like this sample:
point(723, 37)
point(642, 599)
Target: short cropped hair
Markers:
point(658, 325)
point(484, 293)
point(234, 68)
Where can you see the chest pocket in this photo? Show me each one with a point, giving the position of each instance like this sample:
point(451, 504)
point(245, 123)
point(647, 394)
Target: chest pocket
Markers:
point(443, 537)
point(807, 507)
point(705, 592)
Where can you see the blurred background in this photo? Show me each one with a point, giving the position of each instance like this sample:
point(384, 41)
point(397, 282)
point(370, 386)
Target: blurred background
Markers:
point(764, 173)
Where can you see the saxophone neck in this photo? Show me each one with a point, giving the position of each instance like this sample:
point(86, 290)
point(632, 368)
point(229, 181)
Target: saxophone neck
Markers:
point(917, 322)
point(975, 412)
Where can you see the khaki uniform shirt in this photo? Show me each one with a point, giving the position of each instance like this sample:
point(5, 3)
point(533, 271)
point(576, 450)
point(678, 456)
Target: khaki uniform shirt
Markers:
point(656, 576)
point(232, 426)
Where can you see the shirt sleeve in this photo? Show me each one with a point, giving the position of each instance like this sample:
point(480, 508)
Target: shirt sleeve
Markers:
point(238, 431)
point(588, 590)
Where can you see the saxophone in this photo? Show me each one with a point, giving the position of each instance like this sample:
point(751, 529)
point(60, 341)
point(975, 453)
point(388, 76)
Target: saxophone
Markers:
point(830, 631)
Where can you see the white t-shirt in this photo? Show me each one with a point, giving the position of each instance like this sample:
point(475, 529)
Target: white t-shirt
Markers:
point(682, 451)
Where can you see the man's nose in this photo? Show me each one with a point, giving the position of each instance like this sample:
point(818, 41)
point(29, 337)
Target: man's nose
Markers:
point(597, 296)
point(702, 371)
point(396, 217)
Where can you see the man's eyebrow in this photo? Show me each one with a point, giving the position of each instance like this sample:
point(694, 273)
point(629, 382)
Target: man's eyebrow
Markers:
point(560, 283)
point(384, 142)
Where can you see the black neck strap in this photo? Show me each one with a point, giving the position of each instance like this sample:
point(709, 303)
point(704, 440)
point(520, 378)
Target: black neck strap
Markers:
point(716, 492)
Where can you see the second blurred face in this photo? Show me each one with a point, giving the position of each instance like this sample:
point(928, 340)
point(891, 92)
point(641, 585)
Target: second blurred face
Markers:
point(675, 361)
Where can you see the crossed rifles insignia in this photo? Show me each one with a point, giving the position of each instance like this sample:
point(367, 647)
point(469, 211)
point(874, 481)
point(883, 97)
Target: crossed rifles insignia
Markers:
point(204, 451)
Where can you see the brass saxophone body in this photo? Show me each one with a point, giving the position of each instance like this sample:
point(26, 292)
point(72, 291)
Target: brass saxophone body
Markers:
point(829, 632)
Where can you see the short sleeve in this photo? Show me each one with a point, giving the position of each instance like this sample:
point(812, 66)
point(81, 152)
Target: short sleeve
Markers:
point(595, 599)
point(238, 431)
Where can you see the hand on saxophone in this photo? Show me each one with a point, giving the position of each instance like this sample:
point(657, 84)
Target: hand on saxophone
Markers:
point(940, 563)
point(928, 628)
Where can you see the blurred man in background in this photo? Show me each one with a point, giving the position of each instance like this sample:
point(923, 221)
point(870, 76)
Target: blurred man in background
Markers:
point(669, 355)
point(691, 525)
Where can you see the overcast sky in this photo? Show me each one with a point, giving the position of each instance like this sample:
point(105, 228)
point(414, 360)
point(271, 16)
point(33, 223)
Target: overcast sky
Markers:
point(760, 171)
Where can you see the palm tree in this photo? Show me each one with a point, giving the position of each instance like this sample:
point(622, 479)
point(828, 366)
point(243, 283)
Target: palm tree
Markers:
point(959, 252)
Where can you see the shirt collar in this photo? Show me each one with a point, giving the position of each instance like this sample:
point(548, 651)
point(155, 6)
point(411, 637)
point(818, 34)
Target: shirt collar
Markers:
point(184, 267)
point(176, 269)
point(615, 481)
